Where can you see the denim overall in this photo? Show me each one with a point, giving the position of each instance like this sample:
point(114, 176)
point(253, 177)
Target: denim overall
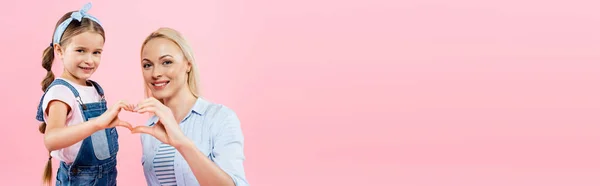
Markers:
point(96, 161)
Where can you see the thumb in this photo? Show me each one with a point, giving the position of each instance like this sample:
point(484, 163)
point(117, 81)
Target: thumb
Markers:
point(142, 129)
point(125, 124)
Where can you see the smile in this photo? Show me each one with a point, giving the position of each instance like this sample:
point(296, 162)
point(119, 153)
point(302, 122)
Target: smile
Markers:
point(87, 68)
point(160, 84)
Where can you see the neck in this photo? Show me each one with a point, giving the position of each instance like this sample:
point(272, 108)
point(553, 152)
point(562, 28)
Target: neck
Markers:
point(181, 103)
point(68, 76)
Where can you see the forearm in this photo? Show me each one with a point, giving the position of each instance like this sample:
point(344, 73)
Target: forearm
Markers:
point(58, 138)
point(205, 171)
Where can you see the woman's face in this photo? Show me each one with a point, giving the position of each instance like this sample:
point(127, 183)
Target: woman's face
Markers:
point(164, 68)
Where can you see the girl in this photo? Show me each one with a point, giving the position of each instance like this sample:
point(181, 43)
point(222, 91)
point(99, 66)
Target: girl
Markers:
point(189, 141)
point(78, 128)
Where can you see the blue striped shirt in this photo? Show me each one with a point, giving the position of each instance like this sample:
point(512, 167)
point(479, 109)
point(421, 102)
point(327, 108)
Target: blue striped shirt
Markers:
point(163, 165)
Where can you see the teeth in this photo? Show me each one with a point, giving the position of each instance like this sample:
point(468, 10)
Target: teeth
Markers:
point(160, 84)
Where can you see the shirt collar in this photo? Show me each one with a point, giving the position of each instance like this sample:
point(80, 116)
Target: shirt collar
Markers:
point(200, 106)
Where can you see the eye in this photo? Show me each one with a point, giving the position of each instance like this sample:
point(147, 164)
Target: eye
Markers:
point(79, 50)
point(167, 62)
point(98, 52)
point(147, 65)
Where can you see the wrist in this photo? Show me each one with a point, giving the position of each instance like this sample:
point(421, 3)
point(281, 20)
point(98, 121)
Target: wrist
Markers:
point(185, 144)
point(97, 125)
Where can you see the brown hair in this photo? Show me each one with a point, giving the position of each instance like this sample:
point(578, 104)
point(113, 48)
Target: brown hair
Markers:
point(74, 28)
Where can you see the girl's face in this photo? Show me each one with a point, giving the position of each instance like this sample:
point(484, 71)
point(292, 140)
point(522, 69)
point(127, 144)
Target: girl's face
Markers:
point(81, 56)
point(164, 68)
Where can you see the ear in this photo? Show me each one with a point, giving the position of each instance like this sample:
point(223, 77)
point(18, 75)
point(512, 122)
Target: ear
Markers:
point(189, 67)
point(59, 51)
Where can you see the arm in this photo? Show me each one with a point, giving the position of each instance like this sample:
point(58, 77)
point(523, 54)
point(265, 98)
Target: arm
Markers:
point(228, 168)
point(59, 136)
point(205, 171)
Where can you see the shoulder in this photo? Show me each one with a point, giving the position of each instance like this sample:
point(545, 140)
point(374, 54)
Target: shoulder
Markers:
point(214, 116)
point(218, 111)
point(61, 93)
point(58, 89)
point(222, 119)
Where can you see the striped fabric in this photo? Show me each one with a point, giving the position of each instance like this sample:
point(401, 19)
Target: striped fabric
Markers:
point(163, 165)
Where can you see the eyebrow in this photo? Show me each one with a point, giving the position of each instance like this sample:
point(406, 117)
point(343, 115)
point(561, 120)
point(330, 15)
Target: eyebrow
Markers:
point(166, 55)
point(82, 47)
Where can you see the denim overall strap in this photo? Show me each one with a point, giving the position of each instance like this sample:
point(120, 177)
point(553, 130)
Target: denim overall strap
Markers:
point(40, 111)
point(98, 88)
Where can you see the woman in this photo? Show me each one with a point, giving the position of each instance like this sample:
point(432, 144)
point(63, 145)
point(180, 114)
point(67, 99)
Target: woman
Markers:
point(188, 141)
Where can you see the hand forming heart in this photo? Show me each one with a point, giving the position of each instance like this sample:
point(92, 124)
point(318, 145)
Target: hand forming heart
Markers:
point(166, 129)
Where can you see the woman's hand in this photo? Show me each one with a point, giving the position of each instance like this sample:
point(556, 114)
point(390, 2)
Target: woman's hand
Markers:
point(166, 129)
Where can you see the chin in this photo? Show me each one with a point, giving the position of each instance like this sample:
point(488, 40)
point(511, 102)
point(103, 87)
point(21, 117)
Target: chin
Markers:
point(160, 95)
point(83, 74)
point(84, 77)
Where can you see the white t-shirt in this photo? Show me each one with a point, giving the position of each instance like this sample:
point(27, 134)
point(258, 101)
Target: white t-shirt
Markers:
point(62, 93)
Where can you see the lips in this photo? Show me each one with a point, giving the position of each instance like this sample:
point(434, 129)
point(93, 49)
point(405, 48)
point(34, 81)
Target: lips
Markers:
point(87, 68)
point(160, 84)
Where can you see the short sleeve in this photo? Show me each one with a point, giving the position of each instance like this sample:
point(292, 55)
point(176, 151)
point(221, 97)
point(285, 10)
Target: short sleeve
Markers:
point(60, 93)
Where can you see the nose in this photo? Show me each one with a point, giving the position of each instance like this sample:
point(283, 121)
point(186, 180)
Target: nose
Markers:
point(156, 73)
point(89, 59)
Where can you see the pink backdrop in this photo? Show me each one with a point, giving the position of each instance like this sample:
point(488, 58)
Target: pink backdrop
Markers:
point(414, 93)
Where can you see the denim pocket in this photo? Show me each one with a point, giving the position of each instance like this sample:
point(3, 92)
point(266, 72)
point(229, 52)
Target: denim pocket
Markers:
point(100, 144)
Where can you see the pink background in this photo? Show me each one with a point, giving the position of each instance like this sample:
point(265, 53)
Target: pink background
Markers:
point(414, 93)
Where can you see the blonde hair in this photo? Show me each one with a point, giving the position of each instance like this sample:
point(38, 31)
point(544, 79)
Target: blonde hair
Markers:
point(177, 38)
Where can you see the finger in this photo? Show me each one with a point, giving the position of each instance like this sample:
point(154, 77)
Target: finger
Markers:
point(147, 104)
point(151, 110)
point(142, 129)
point(143, 104)
point(119, 105)
point(125, 124)
point(125, 105)
point(147, 100)
point(152, 99)
point(129, 107)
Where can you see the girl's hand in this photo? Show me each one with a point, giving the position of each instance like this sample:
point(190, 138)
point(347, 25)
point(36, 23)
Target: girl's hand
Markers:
point(110, 118)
